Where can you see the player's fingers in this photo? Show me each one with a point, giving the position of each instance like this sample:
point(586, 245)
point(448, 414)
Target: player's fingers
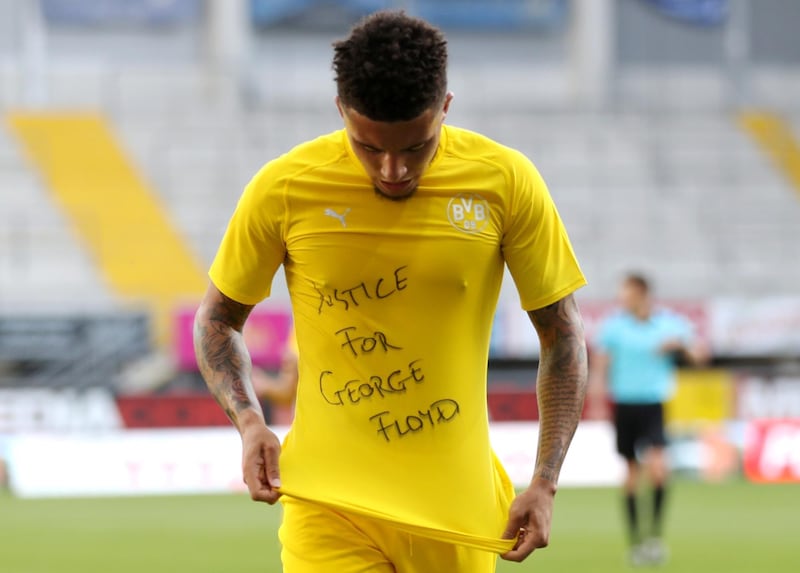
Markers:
point(255, 486)
point(527, 542)
point(260, 490)
point(264, 491)
point(266, 495)
point(271, 466)
point(254, 475)
point(529, 539)
point(250, 475)
point(524, 548)
point(514, 525)
point(269, 496)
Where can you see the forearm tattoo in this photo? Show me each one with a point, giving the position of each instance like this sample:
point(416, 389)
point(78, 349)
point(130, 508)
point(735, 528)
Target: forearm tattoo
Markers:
point(223, 357)
point(561, 382)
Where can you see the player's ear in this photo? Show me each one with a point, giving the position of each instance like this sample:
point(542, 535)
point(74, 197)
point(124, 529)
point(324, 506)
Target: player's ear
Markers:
point(339, 106)
point(446, 107)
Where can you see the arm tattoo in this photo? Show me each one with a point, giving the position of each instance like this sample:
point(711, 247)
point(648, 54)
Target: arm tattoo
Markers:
point(222, 355)
point(561, 382)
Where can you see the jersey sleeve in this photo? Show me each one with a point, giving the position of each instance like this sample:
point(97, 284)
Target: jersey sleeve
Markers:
point(535, 244)
point(253, 246)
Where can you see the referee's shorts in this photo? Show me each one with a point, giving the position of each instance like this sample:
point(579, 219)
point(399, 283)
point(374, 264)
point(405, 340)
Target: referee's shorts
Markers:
point(638, 426)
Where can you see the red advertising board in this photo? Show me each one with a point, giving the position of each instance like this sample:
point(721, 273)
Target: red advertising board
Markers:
point(772, 451)
point(508, 403)
point(187, 410)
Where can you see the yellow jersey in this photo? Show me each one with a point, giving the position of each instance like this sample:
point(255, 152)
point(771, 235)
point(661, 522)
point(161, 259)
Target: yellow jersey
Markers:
point(393, 304)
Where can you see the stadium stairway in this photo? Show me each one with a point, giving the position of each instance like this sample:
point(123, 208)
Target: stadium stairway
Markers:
point(39, 249)
point(778, 142)
point(119, 218)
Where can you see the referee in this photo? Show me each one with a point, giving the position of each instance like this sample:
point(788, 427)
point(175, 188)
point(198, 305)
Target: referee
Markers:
point(634, 361)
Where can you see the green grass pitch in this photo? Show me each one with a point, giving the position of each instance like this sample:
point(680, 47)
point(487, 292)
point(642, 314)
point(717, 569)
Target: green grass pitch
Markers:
point(727, 528)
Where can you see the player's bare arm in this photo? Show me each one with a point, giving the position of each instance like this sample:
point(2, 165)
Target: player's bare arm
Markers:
point(561, 388)
point(281, 388)
point(222, 356)
point(561, 383)
point(695, 353)
point(225, 365)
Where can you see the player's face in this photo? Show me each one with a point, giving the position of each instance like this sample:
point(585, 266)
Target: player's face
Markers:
point(632, 298)
point(395, 154)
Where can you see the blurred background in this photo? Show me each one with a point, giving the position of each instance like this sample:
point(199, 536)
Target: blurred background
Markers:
point(668, 132)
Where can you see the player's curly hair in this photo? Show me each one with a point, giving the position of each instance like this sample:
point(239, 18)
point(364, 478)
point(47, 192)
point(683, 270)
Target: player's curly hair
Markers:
point(392, 67)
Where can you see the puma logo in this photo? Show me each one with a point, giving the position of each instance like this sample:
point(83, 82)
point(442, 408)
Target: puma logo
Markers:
point(339, 217)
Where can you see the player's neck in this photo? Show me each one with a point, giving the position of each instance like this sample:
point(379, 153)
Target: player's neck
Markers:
point(643, 312)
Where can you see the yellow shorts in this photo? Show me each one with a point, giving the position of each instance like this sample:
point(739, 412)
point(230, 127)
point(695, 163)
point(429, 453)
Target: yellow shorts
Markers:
point(316, 539)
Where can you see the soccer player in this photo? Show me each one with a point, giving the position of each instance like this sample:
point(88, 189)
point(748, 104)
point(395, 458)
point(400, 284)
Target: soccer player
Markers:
point(280, 389)
point(634, 361)
point(393, 234)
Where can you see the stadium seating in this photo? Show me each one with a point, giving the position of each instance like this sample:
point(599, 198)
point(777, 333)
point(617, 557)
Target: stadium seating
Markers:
point(690, 199)
point(679, 191)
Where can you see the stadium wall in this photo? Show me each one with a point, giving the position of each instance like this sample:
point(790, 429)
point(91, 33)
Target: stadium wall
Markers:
point(154, 462)
point(722, 424)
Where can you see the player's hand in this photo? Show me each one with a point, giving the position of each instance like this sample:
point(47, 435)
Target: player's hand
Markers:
point(260, 452)
point(672, 346)
point(529, 519)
